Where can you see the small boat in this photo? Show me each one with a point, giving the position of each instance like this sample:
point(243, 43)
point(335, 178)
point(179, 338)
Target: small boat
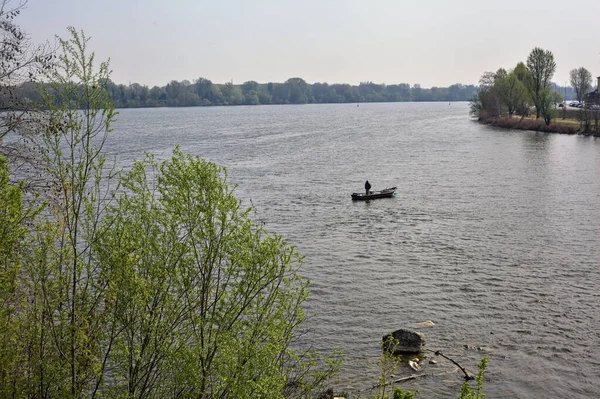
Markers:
point(386, 192)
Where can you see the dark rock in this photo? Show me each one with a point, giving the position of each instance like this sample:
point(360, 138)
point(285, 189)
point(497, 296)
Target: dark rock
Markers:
point(403, 341)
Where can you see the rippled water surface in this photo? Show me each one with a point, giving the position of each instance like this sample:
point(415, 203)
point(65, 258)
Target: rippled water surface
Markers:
point(493, 235)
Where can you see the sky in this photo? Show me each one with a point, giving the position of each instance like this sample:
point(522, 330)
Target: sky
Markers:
point(426, 42)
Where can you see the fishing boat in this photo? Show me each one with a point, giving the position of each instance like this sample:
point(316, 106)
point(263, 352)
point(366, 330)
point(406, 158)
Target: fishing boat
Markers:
point(386, 192)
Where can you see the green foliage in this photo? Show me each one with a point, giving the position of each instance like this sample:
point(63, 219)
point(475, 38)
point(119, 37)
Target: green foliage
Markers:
point(547, 110)
point(15, 217)
point(557, 98)
point(155, 285)
point(68, 286)
point(512, 92)
point(541, 67)
point(400, 394)
point(388, 364)
point(217, 295)
point(203, 92)
point(466, 392)
point(487, 102)
point(476, 106)
point(12, 234)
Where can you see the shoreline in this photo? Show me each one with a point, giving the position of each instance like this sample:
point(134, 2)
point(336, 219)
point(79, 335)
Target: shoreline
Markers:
point(560, 126)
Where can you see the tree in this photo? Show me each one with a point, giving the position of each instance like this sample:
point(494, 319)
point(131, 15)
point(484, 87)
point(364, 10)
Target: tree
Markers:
point(19, 62)
point(174, 89)
point(486, 102)
point(547, 111)
point(512, 92)
point(232, 95)
point(251, 98)
point(581, 80)
point(203, 89)
point(298, 89)
point(158, 96)
point(557, 98)
point(522, 73)
point(217, 295)
point(12, 245)
point(71, 288)
point(541, 67)
point(249, 86)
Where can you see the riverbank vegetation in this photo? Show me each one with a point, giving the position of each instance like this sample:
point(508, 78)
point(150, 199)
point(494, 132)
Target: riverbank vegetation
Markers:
point(522, 98)
point(203, 92)
point(147, 284)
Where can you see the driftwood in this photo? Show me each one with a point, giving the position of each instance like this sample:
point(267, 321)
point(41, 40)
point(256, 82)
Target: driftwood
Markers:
point(399, 380)
point(468, 377)
point(410, 377)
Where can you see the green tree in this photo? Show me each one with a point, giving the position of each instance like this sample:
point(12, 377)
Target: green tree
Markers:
point(19, 61)
point(298, 89)
point(13, 243)
point(70, 289)
point(581, 81)
point(251, 98)
point(511, 91)
point(264, 96)
point(547, 111)
point(158, 97)
point(524, 77)
point(174, 90)
point(231, 94)
point(219, 297)
point(203, 89)
point(557, 98)
point(249, 86)
point(486, 103)
point(541, 67)
point(522, 73)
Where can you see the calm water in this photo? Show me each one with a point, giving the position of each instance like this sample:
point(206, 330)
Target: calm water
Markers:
point(493, 235)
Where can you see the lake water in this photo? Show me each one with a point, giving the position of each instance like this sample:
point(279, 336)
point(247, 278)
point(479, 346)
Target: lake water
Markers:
point(493, 235)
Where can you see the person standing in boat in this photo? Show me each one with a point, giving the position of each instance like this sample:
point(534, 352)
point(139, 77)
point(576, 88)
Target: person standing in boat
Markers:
point(367, 187)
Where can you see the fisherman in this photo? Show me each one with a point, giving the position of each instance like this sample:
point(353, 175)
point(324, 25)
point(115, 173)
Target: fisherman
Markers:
point(367, 187)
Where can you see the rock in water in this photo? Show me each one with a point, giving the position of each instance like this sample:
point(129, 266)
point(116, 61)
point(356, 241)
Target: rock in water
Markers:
point(403, 341)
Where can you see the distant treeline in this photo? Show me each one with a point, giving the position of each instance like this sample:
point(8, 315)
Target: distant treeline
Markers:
point(203, 92)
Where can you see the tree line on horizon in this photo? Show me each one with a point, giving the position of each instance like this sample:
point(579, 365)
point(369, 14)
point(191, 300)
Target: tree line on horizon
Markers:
point(203, 92)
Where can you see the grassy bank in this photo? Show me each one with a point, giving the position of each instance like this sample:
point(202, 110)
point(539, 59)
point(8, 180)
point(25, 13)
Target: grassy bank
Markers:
point(562, 126)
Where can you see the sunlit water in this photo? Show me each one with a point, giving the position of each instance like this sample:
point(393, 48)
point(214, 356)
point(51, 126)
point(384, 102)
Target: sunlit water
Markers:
point(493, 235)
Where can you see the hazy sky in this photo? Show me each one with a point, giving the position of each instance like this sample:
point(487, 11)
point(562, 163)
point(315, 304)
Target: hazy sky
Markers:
point(431, 42)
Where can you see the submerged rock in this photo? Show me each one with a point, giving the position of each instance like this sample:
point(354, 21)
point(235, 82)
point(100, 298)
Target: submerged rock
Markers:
point(403, 341)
